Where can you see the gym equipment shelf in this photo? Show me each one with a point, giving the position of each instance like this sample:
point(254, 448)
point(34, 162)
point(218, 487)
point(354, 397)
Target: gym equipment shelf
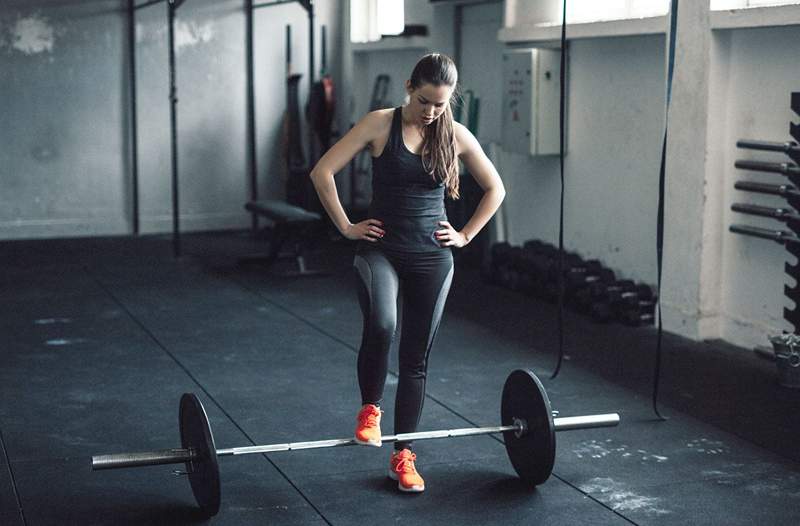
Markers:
point(790, 237)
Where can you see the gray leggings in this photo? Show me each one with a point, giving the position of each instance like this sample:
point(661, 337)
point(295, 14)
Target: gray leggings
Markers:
point(424, 280)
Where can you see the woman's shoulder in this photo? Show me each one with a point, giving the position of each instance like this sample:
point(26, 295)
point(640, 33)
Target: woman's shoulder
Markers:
point(464, 139)
point(381, 117)
point(378, 121)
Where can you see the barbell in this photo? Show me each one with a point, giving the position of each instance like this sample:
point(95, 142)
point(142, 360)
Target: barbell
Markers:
point(528, 426)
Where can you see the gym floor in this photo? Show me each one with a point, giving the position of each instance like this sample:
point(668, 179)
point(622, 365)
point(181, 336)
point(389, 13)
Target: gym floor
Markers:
point(100, 337)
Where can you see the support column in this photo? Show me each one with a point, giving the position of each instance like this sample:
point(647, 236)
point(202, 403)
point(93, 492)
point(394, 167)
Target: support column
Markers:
point(692, 255)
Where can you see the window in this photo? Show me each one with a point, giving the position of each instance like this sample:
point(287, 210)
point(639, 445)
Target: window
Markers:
point(719, 5)
point(593, 11)
point(369, 19)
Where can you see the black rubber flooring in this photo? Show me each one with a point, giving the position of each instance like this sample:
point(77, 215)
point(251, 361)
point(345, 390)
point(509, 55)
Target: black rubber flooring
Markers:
point(99, 338)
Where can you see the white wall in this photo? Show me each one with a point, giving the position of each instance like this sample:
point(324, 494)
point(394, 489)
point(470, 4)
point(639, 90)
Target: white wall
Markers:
point(614, 126)
point(480, 67)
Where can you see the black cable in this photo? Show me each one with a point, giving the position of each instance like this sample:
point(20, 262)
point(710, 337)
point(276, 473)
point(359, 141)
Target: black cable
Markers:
point(673, 27)
point(562, 100)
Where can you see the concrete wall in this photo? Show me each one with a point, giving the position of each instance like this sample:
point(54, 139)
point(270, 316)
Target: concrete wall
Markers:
point(64, 157)
point(62, 98)
point(210, 63)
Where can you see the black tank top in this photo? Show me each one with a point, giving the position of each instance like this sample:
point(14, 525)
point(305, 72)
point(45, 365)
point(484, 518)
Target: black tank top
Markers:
point(405, 197)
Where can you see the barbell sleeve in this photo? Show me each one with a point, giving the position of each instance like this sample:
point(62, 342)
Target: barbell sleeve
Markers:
point(570, 423)
point(769, 146)
point(145, 458)
point(763, 166)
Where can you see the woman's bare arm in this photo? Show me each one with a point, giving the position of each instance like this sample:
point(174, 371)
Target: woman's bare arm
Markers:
point(334, 160)
point(485, 174)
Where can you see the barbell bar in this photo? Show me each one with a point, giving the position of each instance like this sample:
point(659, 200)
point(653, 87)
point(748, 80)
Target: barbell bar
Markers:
point(180, 455)
point(751, 144)
point(529, 427)
point(763, 166)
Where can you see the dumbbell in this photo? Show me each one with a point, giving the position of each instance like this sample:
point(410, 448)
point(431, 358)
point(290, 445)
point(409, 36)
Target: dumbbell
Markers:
point(585, 294)
point(640, 292)
point(534, 262)
point(606, 299)
point(500, 259)
point(643, 313)
point(572, 263)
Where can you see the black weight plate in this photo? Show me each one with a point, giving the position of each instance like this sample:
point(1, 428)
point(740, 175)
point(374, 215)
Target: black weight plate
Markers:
point(534, 453)
point(203, 470)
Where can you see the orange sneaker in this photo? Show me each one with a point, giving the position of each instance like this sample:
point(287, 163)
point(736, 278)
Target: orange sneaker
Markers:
point(368, 429)
point(401, 469)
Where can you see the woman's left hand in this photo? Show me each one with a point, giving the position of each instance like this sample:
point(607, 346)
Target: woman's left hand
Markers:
point(449, 236)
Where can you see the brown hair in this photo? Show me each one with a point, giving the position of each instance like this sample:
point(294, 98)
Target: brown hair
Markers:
point(438, 146)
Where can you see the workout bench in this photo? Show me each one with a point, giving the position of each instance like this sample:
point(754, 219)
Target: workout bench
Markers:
point(290, 224)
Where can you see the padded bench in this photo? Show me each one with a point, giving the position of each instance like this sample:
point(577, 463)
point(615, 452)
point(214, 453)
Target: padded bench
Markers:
point(291, 223)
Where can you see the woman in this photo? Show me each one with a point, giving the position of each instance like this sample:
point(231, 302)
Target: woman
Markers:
point(405, 245)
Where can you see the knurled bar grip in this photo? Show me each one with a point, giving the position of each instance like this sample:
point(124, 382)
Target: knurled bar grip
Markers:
point(768, 146)
point(765, 211)
point(177, 456)
point(785, 190)
point(146, 458)
point(781, 236)
point(763, 166)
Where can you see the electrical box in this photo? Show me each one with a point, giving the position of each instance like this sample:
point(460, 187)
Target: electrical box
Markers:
point(531, 98)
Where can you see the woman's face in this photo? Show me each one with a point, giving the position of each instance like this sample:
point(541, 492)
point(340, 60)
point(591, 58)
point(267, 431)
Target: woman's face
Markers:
point(427, 102)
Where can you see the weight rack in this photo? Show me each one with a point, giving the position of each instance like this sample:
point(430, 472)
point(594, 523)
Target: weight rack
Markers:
point(790, 237)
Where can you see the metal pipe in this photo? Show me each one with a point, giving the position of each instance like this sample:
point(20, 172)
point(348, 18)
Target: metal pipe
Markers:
point(176, 230)
point(134, 140)
point(251, 110)
point(147, 458)
point(309, 5)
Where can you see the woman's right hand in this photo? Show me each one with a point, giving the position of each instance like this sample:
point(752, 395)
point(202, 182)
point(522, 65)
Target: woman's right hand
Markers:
point(368, 230)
